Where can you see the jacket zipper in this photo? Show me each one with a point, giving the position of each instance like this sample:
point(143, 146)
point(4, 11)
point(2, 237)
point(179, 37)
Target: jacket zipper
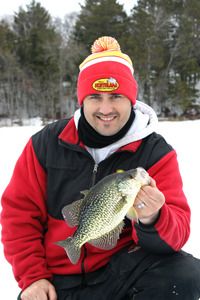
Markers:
point(94, 174)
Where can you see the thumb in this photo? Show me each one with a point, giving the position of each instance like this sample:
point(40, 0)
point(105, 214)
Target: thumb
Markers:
point(153, 182)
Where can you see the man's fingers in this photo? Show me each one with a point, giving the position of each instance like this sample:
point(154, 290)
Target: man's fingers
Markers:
point(39, 290)
point(52, 293)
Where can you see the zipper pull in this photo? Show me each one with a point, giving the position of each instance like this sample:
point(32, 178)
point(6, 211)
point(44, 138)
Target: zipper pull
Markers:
point(95, 168)
point(94, 174)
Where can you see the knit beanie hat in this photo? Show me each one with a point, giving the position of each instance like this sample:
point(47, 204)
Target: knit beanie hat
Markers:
point(106, 70)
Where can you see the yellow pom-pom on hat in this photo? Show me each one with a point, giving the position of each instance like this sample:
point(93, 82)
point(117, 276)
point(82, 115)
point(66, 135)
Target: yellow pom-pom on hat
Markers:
point(105, 43)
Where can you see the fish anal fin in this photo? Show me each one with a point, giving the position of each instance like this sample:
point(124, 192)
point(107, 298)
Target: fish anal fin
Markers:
point(109, 240)
point(71, 213)
point(132, 214)
point(72, 250)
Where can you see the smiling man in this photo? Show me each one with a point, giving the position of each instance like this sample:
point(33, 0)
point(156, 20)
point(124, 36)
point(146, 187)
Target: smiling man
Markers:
point(111, 132)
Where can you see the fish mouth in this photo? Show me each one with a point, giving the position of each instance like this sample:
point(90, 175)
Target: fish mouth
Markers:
point(143, 176)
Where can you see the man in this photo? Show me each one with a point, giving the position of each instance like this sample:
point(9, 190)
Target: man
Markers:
point(111, 132)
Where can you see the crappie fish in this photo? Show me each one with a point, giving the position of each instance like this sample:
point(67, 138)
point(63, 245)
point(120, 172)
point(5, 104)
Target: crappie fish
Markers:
point(99, 215)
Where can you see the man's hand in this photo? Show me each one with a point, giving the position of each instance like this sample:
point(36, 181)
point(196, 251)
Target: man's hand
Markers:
point(39, 290)
point(153, 200)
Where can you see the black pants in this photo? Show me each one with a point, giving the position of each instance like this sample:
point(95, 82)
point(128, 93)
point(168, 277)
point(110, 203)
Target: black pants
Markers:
point(135, 274)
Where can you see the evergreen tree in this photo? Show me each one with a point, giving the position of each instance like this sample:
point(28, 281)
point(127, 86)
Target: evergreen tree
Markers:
point(162, 37)
point(173, 26)
point(101, 18)
point(185, 63)
point(145, 50)
point(37, 54)
point(9, 71)
point(34, 30)
point(71, 55)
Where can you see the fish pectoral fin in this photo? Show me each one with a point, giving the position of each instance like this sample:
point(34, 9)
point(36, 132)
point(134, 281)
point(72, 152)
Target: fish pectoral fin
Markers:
point(71, 213)
point(132, 214)
point(85, 192)
point(120, 204)
point(109, 240)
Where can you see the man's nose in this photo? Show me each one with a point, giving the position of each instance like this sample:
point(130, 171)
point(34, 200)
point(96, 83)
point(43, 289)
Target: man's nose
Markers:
point(105, 106)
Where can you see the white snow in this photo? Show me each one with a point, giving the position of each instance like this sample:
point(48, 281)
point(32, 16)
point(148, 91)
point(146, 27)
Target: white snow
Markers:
point(183, 136)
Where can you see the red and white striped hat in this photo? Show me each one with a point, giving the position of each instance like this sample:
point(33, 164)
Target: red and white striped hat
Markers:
point(106, 70)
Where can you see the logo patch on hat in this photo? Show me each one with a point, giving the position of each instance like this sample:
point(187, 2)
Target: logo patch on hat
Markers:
point(105, 85)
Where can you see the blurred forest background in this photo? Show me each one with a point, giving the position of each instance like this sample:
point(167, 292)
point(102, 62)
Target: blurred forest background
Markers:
point(40, 56)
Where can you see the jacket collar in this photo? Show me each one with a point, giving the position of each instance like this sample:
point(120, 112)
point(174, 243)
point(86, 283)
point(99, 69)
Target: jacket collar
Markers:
point(144, 124)
point(70, 134)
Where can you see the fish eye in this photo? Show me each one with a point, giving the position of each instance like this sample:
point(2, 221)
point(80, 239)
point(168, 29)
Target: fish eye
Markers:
point(130, 176)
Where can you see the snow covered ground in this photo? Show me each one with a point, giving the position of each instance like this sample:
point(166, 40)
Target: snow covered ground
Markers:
point(183, 136)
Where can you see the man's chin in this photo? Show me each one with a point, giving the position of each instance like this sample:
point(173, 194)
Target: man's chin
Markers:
point(106, 131)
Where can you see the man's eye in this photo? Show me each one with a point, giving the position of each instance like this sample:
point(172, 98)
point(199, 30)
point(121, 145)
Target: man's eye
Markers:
point(94, 97)
point(116, 96)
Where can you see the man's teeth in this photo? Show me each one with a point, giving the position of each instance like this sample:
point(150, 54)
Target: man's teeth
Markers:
point(106, 119)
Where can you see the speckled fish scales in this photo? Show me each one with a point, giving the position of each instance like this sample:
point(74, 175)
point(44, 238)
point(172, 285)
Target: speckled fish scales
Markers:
point(99, 215)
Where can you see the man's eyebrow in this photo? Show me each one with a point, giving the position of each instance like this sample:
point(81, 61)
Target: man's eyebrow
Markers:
point(99, 94)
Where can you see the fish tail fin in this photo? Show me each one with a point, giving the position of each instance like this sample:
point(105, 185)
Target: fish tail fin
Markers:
point(73, 251)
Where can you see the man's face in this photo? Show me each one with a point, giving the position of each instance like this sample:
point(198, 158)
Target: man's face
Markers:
point(107, 113)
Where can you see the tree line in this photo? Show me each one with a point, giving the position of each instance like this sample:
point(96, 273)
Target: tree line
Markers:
point(40, 55)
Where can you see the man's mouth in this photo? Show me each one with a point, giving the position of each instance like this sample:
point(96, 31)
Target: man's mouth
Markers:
point(106, 119)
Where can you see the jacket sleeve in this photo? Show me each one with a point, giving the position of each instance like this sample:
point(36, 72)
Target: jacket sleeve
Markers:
point(23, 219)
point(171, 231)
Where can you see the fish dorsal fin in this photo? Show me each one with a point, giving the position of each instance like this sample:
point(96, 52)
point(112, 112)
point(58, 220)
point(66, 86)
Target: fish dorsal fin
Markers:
point(85, 192)
point(120, 204)
point(109, 240)
point(132, 214)
point(71, 213)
